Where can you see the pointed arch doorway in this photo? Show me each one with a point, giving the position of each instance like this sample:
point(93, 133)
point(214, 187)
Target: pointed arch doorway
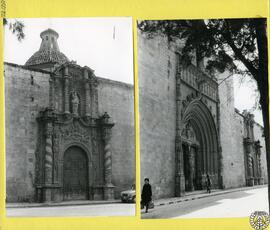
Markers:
point(200, 152)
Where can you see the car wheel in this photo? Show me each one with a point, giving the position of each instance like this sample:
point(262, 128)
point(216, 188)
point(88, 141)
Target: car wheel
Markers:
point(134, 199)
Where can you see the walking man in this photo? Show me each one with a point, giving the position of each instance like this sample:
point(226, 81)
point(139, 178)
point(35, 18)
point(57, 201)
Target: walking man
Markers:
point(208, 183)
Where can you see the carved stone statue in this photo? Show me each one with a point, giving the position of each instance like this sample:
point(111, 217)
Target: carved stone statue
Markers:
point(75, 102)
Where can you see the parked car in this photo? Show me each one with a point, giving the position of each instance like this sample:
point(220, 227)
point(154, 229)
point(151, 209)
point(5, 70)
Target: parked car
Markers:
point(129, 196)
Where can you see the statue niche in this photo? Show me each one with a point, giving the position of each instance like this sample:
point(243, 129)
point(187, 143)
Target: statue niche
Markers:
point(75, 103)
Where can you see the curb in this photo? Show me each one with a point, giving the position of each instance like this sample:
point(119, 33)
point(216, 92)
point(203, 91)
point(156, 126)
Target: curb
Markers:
point(43, 205)
point(204, 195)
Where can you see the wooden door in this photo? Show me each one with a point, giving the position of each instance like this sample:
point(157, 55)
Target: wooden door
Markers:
point(75, 176)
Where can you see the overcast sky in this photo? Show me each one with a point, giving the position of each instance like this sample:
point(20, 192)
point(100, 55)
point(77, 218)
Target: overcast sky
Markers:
point(245, 96)
point(103, 44)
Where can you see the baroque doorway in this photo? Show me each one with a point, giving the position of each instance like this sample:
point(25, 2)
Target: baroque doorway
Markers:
point(75, 175)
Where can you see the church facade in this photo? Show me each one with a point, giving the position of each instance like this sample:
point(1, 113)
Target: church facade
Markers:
point(69, 133)
point(189, 127)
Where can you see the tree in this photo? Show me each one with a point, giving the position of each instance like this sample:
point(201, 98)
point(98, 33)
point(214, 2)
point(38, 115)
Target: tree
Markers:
point(16, 27)
point(239, 45)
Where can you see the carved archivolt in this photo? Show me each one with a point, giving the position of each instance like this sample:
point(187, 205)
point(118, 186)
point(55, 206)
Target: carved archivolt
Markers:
point(198, 124)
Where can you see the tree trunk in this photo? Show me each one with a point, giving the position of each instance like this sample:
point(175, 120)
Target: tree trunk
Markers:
point(264, 101)
point(267, 144)
point(262, 80)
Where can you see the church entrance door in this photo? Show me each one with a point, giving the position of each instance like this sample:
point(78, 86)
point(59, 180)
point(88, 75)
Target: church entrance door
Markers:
point(75, 176)
point(190, 155)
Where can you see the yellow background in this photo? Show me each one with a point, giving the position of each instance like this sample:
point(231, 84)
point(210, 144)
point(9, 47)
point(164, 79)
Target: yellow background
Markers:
point(138, 9)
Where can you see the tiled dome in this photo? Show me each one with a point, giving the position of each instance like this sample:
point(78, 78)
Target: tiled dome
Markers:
point(45, 56)
point(49, 51)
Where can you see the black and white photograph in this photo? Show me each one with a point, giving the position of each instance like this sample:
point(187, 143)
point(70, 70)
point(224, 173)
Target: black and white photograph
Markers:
point(69, 115)
point(204, 120)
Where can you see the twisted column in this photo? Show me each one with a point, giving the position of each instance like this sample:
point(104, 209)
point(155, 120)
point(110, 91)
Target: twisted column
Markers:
point(250, 164)
point(106, 135)
point(249, 160)
point(261, 179)
point(48, 164)
point(259, 165)
point(107, 157)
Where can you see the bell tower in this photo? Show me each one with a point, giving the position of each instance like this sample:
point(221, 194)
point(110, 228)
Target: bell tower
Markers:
point(49, 40)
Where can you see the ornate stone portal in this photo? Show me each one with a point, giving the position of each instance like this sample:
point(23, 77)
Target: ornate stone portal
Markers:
point(73, 154)
point(252, 153)
point(197, 147)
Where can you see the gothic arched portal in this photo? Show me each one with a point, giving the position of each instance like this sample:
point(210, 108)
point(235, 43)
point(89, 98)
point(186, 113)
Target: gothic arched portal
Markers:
point(199, 146)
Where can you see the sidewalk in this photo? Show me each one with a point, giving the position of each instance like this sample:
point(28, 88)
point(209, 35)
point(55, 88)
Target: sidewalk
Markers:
point(64, 203)
point(202, 194)
point(166, 201)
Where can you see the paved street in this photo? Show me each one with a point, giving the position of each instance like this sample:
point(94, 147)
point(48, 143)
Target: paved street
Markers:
point(235, 204)
point(118, 209)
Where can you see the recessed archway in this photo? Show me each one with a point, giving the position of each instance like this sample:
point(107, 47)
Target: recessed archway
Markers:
point(75, 174)
point(201, 148)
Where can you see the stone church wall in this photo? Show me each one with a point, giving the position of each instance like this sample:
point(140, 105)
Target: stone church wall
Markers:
point(258, 135)
point(117, 100)
point(239, 134)
point(157, 65)
point(230, 137)
point(23, 101)
point(26, 93)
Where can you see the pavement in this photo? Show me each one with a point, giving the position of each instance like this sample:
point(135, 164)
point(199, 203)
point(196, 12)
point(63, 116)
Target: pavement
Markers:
point(90, 210)
point(165, 201)
point(202, 194)
point(230, 203)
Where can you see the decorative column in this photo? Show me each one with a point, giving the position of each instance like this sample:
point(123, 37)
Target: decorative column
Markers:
point(179, 159)
point(66, 91)
point(94, 98)
point(106, 136)
point(258, 152)
point(250, 178)
point(87, 94)
point(48, 157)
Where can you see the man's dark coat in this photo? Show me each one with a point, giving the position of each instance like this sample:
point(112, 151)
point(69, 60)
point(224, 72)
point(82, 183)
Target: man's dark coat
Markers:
point(146, 193)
